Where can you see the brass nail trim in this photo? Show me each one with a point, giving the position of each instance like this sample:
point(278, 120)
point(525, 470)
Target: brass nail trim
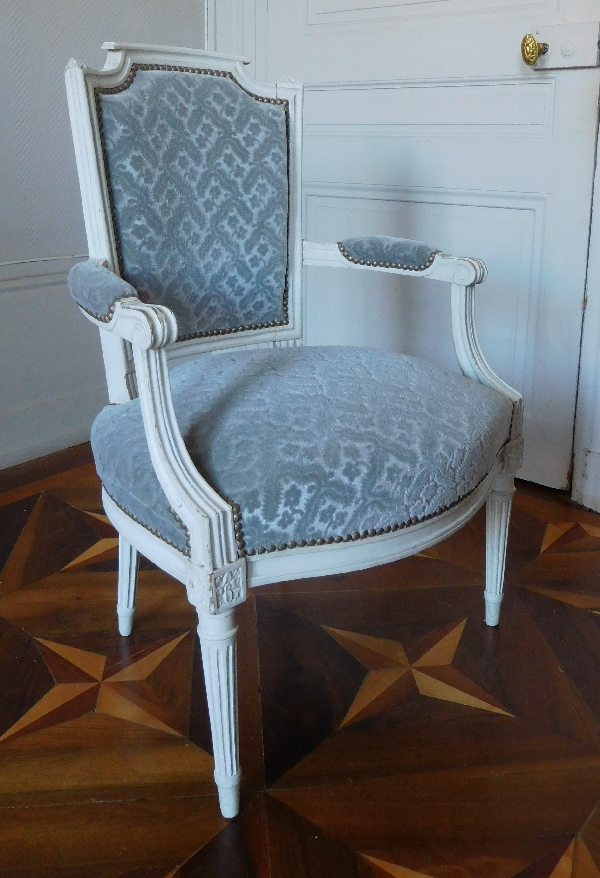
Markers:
point(372, 264)
point(357, 535)
point(187, 551)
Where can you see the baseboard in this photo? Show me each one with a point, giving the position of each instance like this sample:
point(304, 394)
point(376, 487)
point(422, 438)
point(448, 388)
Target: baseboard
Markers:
point(43, 467)
point(47, 427)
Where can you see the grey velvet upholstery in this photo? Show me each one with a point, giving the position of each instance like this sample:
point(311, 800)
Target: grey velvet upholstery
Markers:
point(386, 252)
point(314, 444)
point(96, 289)
point(198, 176)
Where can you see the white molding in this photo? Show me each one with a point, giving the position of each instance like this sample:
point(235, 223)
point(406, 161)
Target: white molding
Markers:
point(47, 271)
point(355, 16)
point(335, 95)
point(226, 26)
point(209, 25)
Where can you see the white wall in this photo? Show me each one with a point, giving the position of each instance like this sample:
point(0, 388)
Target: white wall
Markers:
point(51, 374)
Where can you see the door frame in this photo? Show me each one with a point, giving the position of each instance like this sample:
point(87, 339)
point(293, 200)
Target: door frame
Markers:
point(586, 445)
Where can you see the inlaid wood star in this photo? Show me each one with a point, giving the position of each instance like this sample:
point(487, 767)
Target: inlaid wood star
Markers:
point(395, 676)
point(569, 553)
point(85, 682)
point(575, 862)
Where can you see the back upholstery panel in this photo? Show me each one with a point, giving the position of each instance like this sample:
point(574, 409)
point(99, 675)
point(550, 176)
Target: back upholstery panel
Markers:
point(198, 175)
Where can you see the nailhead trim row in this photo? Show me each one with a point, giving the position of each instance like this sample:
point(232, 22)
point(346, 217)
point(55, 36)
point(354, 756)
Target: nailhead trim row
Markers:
point(354, 537)
point(372, 264)
point(188, 550)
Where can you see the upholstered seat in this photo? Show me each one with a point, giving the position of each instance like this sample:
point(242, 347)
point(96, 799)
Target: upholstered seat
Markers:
point(313, 444)
point(256, 459)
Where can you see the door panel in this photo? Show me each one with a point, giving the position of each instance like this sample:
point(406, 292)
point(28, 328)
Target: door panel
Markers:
point(422, 121)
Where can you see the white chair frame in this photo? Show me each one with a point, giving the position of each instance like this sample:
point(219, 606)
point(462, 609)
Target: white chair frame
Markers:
point(139, 340)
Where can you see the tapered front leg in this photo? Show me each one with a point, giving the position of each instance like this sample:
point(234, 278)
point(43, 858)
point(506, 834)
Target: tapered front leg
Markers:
point(128, 571)
point(218, 643)
point(497, 520)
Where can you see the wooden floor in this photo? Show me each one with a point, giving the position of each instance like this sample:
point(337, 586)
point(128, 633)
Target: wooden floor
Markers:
point(401, 737)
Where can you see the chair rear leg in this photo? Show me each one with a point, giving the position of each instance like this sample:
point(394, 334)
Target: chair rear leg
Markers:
point(497, 519)
point(128, 571)
point(219, 659)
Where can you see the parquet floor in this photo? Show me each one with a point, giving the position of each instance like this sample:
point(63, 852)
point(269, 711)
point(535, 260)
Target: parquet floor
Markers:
point(385, 730)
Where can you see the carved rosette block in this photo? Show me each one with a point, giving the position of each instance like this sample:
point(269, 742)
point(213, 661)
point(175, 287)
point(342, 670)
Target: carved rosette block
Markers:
point(218, 643)
point(497, 519)
point(227, 587)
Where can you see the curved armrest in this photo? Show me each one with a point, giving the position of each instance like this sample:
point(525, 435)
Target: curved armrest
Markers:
point(405, 257)
point(207, 517)
point(397, 256)
point(96, 289)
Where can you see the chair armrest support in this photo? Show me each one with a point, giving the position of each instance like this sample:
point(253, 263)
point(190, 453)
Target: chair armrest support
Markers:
point(442, 266)
point(463, 273)
point(207, 517)
point(474, 364)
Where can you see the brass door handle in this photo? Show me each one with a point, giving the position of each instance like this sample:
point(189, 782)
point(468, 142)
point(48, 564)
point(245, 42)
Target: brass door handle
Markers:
point(531, 49)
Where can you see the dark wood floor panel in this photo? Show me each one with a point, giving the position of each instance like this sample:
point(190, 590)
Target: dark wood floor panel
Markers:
point(107, 838)
point(385, 730)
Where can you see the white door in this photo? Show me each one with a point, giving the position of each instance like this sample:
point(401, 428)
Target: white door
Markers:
point(422, 121)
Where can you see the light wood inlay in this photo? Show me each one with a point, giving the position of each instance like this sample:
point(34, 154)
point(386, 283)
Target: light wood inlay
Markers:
point(61, 694)
point(99, 551)
point(370, 650)
point(90, 662)
point(394, 870)
point(443, 652)
point(433, 688)
point(142, 668)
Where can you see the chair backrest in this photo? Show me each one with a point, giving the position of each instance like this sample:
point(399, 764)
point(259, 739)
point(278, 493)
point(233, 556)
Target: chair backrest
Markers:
point(190, 184)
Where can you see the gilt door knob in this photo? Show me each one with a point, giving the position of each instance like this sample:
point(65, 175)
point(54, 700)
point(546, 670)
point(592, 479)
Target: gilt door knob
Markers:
point(531, 49)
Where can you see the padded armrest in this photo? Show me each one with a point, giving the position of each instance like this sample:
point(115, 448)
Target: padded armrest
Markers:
point(96, 289)
point(382, 251)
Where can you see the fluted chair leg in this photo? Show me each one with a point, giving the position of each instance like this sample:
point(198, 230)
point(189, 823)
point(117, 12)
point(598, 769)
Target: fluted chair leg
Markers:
point(218, 642)
point(128, 571)
point(497, 520)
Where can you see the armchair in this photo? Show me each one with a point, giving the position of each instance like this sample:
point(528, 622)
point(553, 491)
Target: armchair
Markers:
point(257, 459)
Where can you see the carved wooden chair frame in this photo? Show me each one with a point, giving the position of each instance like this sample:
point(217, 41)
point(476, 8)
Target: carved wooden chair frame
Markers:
point(139, 339)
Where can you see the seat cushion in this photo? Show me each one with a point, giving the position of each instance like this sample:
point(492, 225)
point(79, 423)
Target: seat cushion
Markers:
point(313, 444)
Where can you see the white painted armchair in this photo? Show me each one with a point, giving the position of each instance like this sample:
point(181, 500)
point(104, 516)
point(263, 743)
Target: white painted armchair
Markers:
point(270, 461)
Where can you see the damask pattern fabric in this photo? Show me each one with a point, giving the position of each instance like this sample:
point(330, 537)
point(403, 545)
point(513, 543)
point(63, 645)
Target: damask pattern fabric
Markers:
point(199, 180)
point(392, 252)
point(96, 289)
point(312, 443)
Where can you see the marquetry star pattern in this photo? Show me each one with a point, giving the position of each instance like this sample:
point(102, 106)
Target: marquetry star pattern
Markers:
point(565, 546)
point(394, 675)
point(102, 549)
point(85, 682)
point(575, 862)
